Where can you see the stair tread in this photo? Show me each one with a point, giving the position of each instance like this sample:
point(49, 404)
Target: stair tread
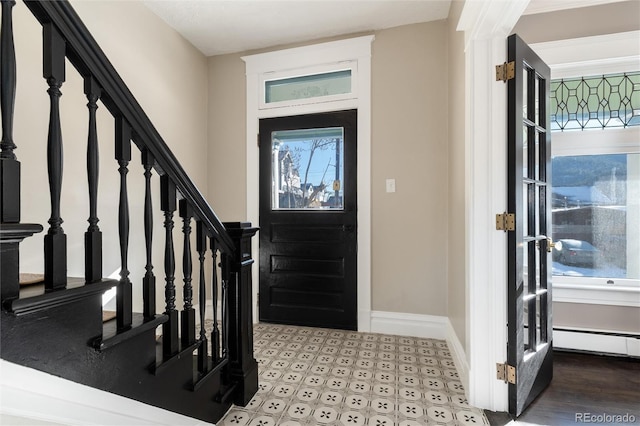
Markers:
point(36, 288)
point(35, 297)
point(111, 337)
point(31, 279)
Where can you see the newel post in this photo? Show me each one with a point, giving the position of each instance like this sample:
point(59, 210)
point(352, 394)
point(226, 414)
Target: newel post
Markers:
point(243, 366)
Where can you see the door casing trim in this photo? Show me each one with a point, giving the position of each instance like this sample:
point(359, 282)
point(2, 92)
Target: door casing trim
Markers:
point(486, 26)
point(295, 61)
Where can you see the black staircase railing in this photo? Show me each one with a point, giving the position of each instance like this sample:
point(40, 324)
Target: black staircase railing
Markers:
point(231, 359)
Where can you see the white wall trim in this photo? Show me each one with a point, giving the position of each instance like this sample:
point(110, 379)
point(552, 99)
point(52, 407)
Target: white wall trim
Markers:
point(32, 394)
point(414, 325)
point(459, 356)
point(552, 6)
point(426, 327)
point(605, 294)
point(296, 60)
point(601, 54)
point(486, 25)
point(208, 313)
point(601, 343)
point(589, 142)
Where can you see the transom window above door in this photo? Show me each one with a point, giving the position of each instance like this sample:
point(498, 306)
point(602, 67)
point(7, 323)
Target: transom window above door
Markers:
point(307, 86)
point(314, 84)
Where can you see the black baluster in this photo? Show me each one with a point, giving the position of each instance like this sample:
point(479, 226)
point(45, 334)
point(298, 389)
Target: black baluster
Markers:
point(215, 333)
point(93, 236)
point(169, 328)
point(149, 279)
point(55, 242)
point(224, 301)
point(201, 247)
point(9, 165)
point(123, 155)
point(188, 314)
point(8, 77)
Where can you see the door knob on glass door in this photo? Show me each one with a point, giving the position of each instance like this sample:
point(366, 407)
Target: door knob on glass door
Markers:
point(550, 245)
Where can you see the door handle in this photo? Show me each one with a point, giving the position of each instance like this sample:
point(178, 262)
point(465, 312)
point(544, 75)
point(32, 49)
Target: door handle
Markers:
point(550, 245)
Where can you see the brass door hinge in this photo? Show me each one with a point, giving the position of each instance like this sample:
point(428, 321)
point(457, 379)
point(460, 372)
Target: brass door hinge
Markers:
point(506, 373)
point(506, 71)
point(505, 222)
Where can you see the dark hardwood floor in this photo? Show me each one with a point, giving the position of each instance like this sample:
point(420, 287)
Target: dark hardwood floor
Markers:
point(584, 384)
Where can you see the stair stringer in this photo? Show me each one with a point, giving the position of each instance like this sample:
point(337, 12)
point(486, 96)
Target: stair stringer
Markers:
point(59, 340)
point(34, 395)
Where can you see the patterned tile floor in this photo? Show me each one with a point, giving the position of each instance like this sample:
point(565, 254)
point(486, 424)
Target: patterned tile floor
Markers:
point(313, 376)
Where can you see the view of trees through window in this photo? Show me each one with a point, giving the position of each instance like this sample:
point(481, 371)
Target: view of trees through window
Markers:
point(595, 215)
point(308, 169)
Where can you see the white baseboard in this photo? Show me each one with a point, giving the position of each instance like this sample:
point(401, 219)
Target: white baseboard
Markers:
point(414, 325)
point(208, 313)
point(31, 394)
point(602, 343)
point(424, 326)
point(458, 354)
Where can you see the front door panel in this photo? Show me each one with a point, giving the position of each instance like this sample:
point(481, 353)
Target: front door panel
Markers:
point(308, 220)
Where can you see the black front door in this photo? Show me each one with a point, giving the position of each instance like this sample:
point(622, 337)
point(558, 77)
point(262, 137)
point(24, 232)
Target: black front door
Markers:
point(308, 209)
point(529, 186)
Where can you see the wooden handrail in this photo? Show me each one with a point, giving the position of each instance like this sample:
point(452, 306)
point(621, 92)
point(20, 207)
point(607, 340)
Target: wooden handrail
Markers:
point(87, 57)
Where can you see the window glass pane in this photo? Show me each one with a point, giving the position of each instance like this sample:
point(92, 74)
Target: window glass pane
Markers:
point(308, 169)
point(597, 102)
point(308, 86)
point(596, 215)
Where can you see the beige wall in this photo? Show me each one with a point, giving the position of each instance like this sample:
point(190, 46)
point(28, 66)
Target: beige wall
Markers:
point(227, 137)
point(409, 143)
point(575, 23)
point(582, 22)
point(457, 173)
point(168, 80)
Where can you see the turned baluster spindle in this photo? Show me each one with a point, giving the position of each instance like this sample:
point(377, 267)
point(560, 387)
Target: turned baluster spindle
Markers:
point(188, 314)
point(170, 344)
point(93, 236)
point(123, 156)
point(9, 165)
point(149, 279)
point(55, 242)
point(226, 271)
point(215, 333)
point(201, 248)
point(8, 78)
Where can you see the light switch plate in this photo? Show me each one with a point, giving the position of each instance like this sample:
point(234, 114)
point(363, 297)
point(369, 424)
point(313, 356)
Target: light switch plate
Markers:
point(391, 185)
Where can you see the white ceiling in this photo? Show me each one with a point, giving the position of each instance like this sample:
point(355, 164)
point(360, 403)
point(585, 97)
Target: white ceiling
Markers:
point(224, 26)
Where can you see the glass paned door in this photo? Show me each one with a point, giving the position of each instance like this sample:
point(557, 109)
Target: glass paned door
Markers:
point(529, 275)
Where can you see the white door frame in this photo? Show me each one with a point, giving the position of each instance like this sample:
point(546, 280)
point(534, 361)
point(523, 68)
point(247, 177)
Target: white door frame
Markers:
point(486, 25)
point(356, 53)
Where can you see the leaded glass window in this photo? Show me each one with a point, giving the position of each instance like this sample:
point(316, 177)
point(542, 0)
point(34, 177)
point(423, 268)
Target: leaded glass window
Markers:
point(595, 102)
